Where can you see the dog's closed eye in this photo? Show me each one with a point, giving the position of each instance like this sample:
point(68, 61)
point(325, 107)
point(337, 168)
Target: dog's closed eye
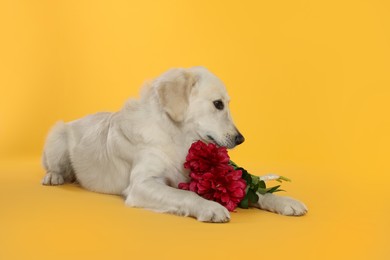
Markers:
point(218, 104)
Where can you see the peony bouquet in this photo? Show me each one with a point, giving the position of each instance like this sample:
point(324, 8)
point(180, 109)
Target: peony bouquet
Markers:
point(215, 177)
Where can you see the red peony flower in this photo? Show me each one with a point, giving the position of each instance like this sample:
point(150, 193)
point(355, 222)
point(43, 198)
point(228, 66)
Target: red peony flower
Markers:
point(212, 177)
point(204, 157)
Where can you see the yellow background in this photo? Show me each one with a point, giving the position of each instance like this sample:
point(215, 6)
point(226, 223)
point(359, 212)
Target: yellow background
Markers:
point(309, 82)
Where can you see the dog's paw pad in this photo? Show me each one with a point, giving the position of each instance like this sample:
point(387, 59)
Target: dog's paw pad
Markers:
point(52, 178)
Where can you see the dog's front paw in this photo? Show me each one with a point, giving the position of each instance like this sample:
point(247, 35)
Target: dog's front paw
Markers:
point(291, 207)
point(282, 205)
point(210, 211)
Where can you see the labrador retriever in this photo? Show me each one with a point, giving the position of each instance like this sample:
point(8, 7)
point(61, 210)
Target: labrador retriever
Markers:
point(139, 151)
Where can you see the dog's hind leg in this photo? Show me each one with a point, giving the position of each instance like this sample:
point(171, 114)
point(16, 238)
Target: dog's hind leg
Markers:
point(55, 159)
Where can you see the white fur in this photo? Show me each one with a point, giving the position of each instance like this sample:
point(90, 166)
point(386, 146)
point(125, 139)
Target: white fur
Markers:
point(139, 151)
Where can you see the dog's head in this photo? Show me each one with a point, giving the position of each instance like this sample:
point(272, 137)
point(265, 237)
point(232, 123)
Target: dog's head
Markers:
point(198, 100)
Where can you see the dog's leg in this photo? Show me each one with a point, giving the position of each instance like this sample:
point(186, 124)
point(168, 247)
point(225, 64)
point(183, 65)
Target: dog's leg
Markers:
point(282, 205)
point(154, 194)
point(55, 158)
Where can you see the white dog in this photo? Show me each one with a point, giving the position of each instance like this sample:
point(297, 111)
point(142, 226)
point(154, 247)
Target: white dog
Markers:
point(139, 151)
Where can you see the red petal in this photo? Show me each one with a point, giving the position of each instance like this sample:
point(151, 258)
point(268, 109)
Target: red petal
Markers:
point(231, 205)
point(225, 197)
point(238, 193)
point(193, 186)
point(183, 186)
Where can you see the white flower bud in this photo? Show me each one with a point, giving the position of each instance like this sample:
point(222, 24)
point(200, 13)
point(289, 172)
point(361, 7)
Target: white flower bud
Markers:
point(269, 177)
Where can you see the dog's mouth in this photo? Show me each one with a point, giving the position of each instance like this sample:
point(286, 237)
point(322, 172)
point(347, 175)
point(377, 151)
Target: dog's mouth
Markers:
point(213, 140)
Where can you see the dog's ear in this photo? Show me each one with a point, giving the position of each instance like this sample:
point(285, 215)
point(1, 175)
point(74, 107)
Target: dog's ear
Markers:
point(173, 89)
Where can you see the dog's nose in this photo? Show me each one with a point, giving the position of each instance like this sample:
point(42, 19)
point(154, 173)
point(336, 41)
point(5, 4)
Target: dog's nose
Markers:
point(239, 139)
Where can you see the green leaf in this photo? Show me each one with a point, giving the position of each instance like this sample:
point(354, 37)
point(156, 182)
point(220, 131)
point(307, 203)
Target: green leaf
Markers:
point(255, 179)
point(262, 191)
point(244, 203)
point(247, 189)
point(252, 196)
point(273, 189)
point(262, 184)
point(282, 178)
point(246, 176)
point(235, 166)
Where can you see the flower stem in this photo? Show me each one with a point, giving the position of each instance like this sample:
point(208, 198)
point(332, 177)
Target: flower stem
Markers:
point(256, 184)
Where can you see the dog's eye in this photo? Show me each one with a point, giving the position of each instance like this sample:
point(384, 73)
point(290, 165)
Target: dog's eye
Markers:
point(218, 104)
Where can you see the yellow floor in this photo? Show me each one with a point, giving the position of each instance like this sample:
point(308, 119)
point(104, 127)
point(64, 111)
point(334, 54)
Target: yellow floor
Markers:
point(67, 222)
